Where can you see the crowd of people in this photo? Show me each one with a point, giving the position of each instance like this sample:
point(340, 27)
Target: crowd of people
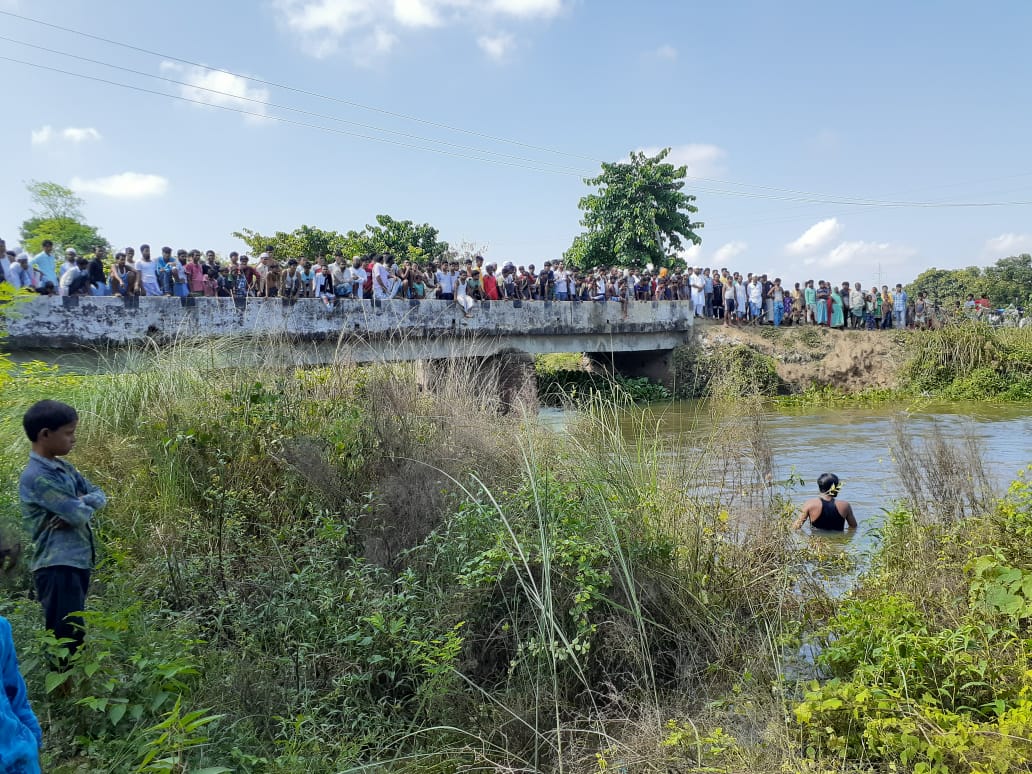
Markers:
point(729, 297)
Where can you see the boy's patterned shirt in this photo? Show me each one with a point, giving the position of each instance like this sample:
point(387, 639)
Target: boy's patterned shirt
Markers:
point(58, 504)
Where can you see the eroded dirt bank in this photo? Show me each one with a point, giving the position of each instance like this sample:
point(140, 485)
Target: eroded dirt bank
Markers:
point(805, 355)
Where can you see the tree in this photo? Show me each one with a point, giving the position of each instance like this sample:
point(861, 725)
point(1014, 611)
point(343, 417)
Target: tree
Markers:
point(402, 237)
point(58, 216)
point(1008, 281)
point(54, 201)
point(947, 286)
point(639, 215)
point(304, 242)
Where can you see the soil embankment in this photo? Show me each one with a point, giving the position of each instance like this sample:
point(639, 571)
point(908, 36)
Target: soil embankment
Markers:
point(850, 360)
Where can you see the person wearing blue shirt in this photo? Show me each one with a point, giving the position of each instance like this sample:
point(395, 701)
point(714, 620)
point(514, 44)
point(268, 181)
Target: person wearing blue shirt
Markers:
point(20, 734)
point(899, 307)
point(46, 264)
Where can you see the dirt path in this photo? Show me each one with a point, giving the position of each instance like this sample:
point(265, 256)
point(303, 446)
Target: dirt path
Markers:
point(806, 355)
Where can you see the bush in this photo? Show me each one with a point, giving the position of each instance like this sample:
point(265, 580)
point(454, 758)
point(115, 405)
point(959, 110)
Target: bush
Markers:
point(939, 680)
point(735, 371)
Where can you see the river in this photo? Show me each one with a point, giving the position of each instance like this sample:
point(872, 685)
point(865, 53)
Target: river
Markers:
point(857, 445)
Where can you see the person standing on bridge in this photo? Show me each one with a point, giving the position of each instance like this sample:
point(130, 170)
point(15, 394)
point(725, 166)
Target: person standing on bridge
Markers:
point(698, 292)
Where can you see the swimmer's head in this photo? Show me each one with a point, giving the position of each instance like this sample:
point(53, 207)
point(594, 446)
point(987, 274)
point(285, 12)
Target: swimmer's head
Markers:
point(828, 483)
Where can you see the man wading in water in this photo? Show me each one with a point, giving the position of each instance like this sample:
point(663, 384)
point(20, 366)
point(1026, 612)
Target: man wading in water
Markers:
point(826, 512)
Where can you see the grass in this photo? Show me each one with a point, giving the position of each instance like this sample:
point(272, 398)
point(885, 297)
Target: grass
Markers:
point(390, 567)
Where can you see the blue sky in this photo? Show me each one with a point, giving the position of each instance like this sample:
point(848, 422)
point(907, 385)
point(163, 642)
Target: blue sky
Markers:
point(879, 101)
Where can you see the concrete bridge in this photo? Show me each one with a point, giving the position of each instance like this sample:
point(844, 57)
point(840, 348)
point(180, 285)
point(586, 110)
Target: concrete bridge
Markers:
point(363, 331)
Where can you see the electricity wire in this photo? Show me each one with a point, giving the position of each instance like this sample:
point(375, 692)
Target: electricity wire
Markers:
point(301, 111)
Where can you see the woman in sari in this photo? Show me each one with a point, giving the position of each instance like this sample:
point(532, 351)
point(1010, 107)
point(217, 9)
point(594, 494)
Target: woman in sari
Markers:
point(822, 303)
point(838, 319)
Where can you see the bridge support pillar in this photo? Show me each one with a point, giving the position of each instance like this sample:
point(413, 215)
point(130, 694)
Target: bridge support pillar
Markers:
point(507, 377)
point(656, 364)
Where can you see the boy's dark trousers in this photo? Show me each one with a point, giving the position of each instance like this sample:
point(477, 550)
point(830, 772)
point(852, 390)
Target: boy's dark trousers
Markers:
point(62, 592)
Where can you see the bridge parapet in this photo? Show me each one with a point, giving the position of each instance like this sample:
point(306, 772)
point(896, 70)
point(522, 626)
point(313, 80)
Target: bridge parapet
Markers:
point(414, 329)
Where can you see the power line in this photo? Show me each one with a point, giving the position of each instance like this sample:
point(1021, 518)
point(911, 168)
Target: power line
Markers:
point(489, 159)
point(798, 196)
point(298, 90)
point(301, 111)
point(808, 196)
point(280, 119)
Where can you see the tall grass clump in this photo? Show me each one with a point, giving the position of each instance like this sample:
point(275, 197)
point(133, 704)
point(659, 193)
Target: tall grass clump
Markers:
point(970, 361)
point(390, 566)
point(726, 373)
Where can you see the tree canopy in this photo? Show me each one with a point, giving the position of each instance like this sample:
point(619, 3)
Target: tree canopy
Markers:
point(58, 216)
point(1008, 281)
point(639, 215)
point(403, 238)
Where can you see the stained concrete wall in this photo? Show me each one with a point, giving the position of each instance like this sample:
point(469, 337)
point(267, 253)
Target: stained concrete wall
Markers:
point(357, 330)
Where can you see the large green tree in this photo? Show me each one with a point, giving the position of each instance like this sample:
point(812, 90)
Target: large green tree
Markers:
point(401, 237)
point(58, 216)
point(1008, 281)
point(640, 215)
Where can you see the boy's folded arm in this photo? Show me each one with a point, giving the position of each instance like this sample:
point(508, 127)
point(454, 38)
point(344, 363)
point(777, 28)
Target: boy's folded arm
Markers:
point(94, 491)
point(64, 505)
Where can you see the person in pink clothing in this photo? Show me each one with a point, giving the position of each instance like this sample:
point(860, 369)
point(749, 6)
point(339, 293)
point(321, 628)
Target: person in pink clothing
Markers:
point(195, 274)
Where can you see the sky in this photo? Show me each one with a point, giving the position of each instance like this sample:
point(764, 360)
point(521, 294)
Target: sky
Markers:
point(815, 134)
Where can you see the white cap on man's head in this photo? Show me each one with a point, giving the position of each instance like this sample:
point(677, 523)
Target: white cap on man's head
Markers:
point(70, 251)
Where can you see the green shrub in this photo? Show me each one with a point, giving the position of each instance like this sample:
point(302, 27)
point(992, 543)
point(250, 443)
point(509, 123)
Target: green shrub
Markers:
point(734, 371)
point(938, 681)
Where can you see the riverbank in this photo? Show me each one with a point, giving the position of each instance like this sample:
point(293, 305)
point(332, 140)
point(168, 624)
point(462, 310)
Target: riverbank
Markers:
point(818, 365)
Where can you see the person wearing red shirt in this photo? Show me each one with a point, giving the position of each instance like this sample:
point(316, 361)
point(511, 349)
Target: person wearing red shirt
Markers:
point(490, 283)
point(195, 274)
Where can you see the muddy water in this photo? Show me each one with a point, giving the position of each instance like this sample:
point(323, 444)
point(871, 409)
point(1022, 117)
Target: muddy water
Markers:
point(856, 444)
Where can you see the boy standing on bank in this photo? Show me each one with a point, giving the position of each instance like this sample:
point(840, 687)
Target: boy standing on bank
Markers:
point(58, 504)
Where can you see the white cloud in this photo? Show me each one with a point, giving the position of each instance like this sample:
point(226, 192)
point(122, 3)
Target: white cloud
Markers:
point(496, 46)
point(665, 52)
point(691, 254)
point(1006, 245)
point(818, 236)
point(701, 159)
point(861, 256)
point(725, 254)
point(212, 87)
point(46, 135)
point(416, 13)
point(127, 185)
point(365, 28)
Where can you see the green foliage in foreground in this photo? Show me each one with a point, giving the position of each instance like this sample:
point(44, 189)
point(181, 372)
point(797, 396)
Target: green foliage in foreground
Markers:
point(313, 571)
point(928, 663)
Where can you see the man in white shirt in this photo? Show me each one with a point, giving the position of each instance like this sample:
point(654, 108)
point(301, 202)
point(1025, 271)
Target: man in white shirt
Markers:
point(21, 274)
point(385, 286)
point(69, 262)
point(755, 290)
point(562, 283)
point(698, 285)
point(446, 281)
point(358, 277)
